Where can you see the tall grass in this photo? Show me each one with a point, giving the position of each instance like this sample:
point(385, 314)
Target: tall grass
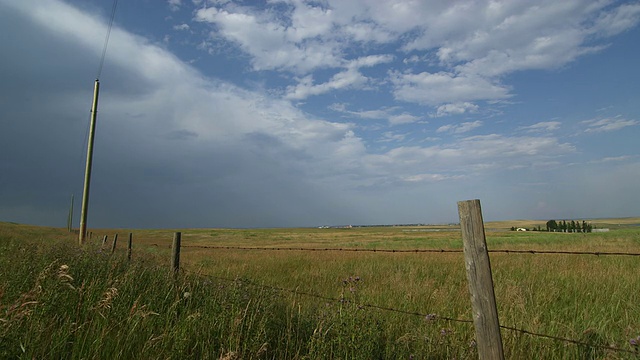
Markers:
point(61, 301)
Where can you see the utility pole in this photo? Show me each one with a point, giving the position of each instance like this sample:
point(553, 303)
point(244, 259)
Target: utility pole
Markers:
point(87, 172)
point(70, 217)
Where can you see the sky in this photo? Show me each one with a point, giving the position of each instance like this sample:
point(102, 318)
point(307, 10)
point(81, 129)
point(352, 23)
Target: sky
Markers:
point(286, 113)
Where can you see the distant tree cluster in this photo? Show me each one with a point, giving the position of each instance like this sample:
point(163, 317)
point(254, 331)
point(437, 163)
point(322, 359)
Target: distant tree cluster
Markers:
point(572, 226)
point(569, 226)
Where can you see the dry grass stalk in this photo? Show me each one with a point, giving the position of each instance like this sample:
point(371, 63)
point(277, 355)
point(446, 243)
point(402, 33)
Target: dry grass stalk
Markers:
point(231, 355)
point(107, 300)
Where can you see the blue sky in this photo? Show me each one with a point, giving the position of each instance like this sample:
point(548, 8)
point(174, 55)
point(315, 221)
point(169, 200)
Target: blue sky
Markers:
point(304, 113)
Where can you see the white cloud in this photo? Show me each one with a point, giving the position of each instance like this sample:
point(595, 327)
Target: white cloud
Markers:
point(470, 155)
point(384, 113)
point(614, 159)
point(444, 87)
point(368, 32)
point(460, 128)
point(272, 45)
point(370, 114)
point(363, 114)
point(617, 20)
point(403, 118)
point(301, 40)
point(174, 5)
point(390, 136)
point(545, 126)
point(515, 36)
point(456, 109)
point(349, 78)
point(411, 59)
point(492, 39)
point(476, 42)
point(544, 52)
point(369, 61)
point(609, 124)
point(499, 146)
point(181, 27)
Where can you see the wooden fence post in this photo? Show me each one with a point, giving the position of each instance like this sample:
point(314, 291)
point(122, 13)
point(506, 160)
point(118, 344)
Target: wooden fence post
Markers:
point(129, 246)
point(175, 253)
point(104, 241)
point(483, 300)
point(113, 246)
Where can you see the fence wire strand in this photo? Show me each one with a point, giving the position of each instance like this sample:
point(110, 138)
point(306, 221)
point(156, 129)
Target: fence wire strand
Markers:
point(563, 252)
point(506, 251)
point(327, 249)
point(573, 341)
point(430, 317)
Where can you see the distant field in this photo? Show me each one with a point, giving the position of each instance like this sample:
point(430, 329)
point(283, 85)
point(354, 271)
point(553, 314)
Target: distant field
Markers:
point(584, 297)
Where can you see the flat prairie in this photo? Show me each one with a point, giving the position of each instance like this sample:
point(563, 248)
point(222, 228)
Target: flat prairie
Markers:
point(397, 277)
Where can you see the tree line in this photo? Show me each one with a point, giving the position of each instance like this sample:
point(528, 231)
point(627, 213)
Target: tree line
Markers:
point(572, 226)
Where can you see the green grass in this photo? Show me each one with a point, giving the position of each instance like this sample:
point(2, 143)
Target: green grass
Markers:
point(61, 301)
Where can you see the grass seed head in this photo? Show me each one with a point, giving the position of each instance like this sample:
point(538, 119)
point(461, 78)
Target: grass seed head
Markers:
point(63, 275)
point(107, 298)
point(231, 355)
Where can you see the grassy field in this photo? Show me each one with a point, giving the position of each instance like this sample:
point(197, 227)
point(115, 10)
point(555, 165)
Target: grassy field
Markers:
point(230, 303)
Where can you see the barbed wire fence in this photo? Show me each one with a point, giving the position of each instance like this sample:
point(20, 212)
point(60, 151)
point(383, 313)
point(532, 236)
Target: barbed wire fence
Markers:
point(432, 317)
point(427, 316)
point(459, 251)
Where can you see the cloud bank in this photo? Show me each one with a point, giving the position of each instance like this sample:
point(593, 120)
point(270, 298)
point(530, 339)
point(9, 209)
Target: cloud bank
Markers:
point(177, 147)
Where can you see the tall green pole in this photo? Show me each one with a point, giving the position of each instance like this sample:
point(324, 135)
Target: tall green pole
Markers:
point(87, 172)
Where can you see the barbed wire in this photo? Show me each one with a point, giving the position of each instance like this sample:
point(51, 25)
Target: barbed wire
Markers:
point(428, 317)
point(573, 341)
point(327, 249)
point(564, 252)
point(507, 251)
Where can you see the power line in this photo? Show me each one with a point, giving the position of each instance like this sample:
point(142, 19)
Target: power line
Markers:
point(106, 39)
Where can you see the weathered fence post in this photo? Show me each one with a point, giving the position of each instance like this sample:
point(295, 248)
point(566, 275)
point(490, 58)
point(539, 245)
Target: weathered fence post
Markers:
point(129, 246)
point(113, 246)
point(175, 253)
point(483, 300)
point(104, 241)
